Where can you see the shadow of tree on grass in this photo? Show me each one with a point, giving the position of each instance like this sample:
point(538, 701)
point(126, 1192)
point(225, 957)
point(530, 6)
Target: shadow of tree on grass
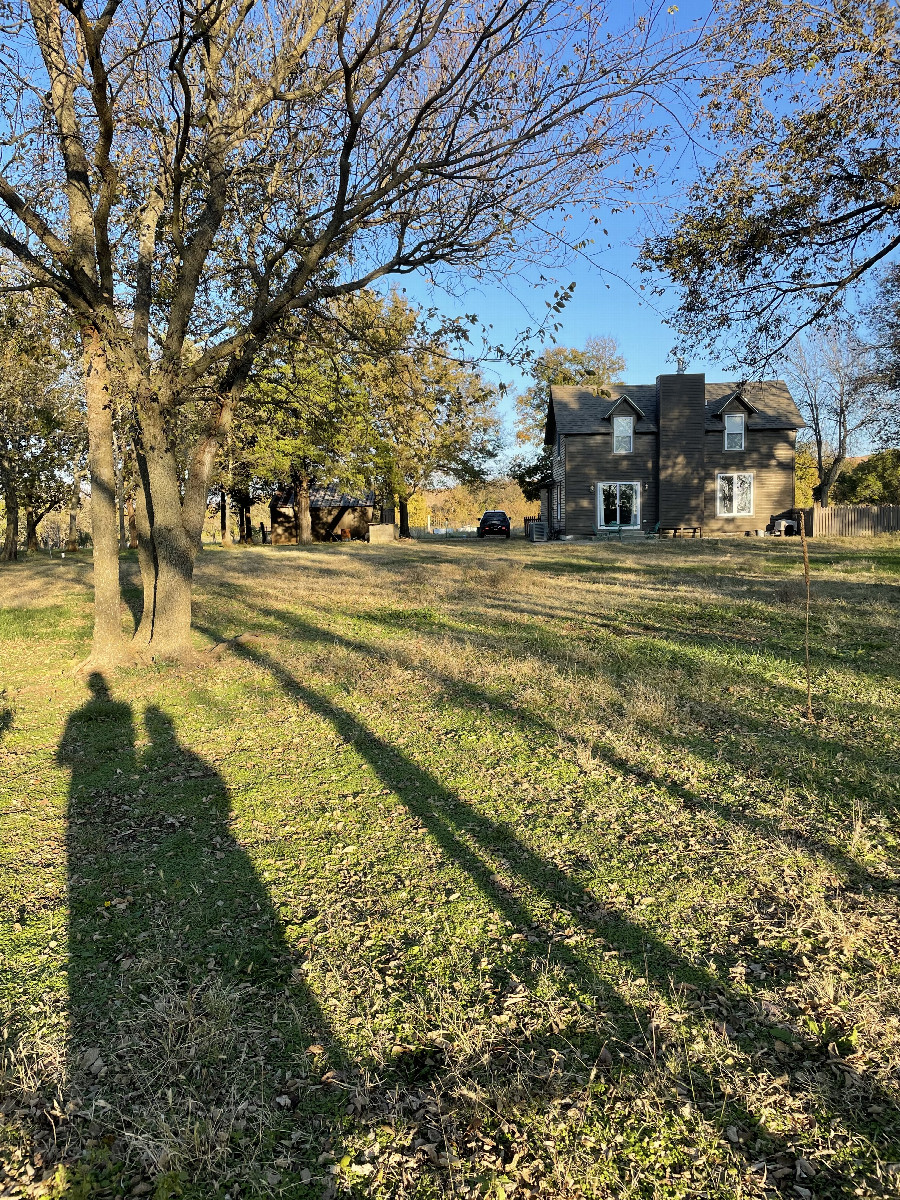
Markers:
point(511, 876)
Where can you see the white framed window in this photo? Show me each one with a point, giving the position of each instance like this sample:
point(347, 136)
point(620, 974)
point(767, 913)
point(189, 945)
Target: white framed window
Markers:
point(734, 494)
point(623, 435)
point(618, 504)
point(734, 431)
point(558, 503)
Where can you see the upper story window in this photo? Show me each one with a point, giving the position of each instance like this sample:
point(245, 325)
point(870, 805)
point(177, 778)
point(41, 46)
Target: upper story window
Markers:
point(734, 431)
point(623, 435)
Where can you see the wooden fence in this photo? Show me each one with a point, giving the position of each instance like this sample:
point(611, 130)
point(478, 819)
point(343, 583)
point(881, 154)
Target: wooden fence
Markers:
point(852, 520)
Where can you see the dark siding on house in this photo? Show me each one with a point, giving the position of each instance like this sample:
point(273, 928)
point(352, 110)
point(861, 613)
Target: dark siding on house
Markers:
point(589, 460)
point(682, 426)
point(769, 454)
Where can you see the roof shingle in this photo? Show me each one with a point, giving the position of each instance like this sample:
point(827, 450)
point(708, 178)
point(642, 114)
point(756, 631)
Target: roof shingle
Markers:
point(575, 410)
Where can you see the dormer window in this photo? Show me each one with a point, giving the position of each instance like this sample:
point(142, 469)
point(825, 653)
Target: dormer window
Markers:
point(734, 431)
point(623, 435)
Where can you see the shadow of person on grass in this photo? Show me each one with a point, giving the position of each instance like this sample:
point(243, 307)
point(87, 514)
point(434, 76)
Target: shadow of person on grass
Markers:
point(186, 1014)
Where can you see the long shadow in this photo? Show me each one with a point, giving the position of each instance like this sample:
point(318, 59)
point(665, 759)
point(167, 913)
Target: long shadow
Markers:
point(530, 723)
point(183, 999)
point(474, 842)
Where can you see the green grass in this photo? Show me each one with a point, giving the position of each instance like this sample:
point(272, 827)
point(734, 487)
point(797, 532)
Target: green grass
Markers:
point(483, 872)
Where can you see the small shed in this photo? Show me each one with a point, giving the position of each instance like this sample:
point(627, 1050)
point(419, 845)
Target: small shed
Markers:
point(331, 512)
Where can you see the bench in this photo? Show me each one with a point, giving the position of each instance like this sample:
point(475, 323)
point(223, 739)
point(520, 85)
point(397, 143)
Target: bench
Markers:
point(696, 530)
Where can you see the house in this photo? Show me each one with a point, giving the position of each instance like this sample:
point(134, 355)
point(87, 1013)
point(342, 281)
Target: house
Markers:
point(710, 457)
point(331, 511)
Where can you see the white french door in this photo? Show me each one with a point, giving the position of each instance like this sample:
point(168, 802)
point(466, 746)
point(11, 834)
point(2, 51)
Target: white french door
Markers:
point(619, 504)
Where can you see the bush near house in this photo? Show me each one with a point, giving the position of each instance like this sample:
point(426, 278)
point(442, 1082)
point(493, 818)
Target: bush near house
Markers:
point(481, 871)
point(872, 480)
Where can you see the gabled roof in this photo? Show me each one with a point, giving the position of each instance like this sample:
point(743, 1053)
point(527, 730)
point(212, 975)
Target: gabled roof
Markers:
point(715, 407)
point(581, 410)
point(574, 410)
point(772, 402)
point(329, 496)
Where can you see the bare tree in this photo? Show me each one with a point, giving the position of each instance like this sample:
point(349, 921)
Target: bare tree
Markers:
point(183, 175)
point(832, 381)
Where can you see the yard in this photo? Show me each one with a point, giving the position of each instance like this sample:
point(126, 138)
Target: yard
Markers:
point(486, 869)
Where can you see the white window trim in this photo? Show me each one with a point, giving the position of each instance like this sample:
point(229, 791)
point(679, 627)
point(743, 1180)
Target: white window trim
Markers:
point(733, 449)
point(733, 515)
point(598, 487)
point(630, 419)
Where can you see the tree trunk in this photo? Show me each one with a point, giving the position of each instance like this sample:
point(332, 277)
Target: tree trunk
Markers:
point(249, 532)
point(120, 487)
point(11, 538)
point(403, 506)
point(223, 518)
point(302, 518)
point(827, 479)
point(108, 643)
point(74, 505)
point(31, 538)
point(170, 565)
point(132, 522)
point(146, 553)
point(242, 523)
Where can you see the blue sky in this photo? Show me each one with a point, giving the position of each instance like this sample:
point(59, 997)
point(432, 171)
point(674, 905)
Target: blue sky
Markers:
point(607, 301)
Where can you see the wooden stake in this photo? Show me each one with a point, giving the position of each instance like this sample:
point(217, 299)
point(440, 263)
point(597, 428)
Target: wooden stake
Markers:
point(809, 711)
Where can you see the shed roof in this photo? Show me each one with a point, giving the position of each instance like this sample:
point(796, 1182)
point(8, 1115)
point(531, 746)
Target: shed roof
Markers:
point(326, 496)
point(575, 410)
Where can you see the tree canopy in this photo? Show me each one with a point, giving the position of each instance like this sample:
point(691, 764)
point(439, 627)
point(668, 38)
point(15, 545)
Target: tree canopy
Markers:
point(185, 176)
point(874, 480)
point(801, 200)
point(597, 365)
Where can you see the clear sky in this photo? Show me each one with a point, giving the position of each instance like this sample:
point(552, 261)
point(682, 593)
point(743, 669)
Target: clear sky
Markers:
point(608, 298)
point(607, 301)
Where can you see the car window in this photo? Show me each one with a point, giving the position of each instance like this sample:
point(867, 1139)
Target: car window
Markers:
point(492, 516)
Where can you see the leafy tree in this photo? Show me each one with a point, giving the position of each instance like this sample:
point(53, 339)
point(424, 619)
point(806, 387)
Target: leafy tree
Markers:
point(41, 416)
point(806, 475)
point(830, 378)
point(433, 417)
point(303, 419)
point(533, 474)
point(443, 425)
point(183, 177)
point(373, 396)
point(875, 480)
point(801, 200)
point(599, 364)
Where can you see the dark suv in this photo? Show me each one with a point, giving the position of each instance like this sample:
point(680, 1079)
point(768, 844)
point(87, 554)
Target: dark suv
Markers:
point(494, 522)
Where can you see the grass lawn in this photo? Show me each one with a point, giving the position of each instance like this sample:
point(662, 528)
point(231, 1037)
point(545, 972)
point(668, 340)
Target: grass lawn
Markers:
point(485, 870)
